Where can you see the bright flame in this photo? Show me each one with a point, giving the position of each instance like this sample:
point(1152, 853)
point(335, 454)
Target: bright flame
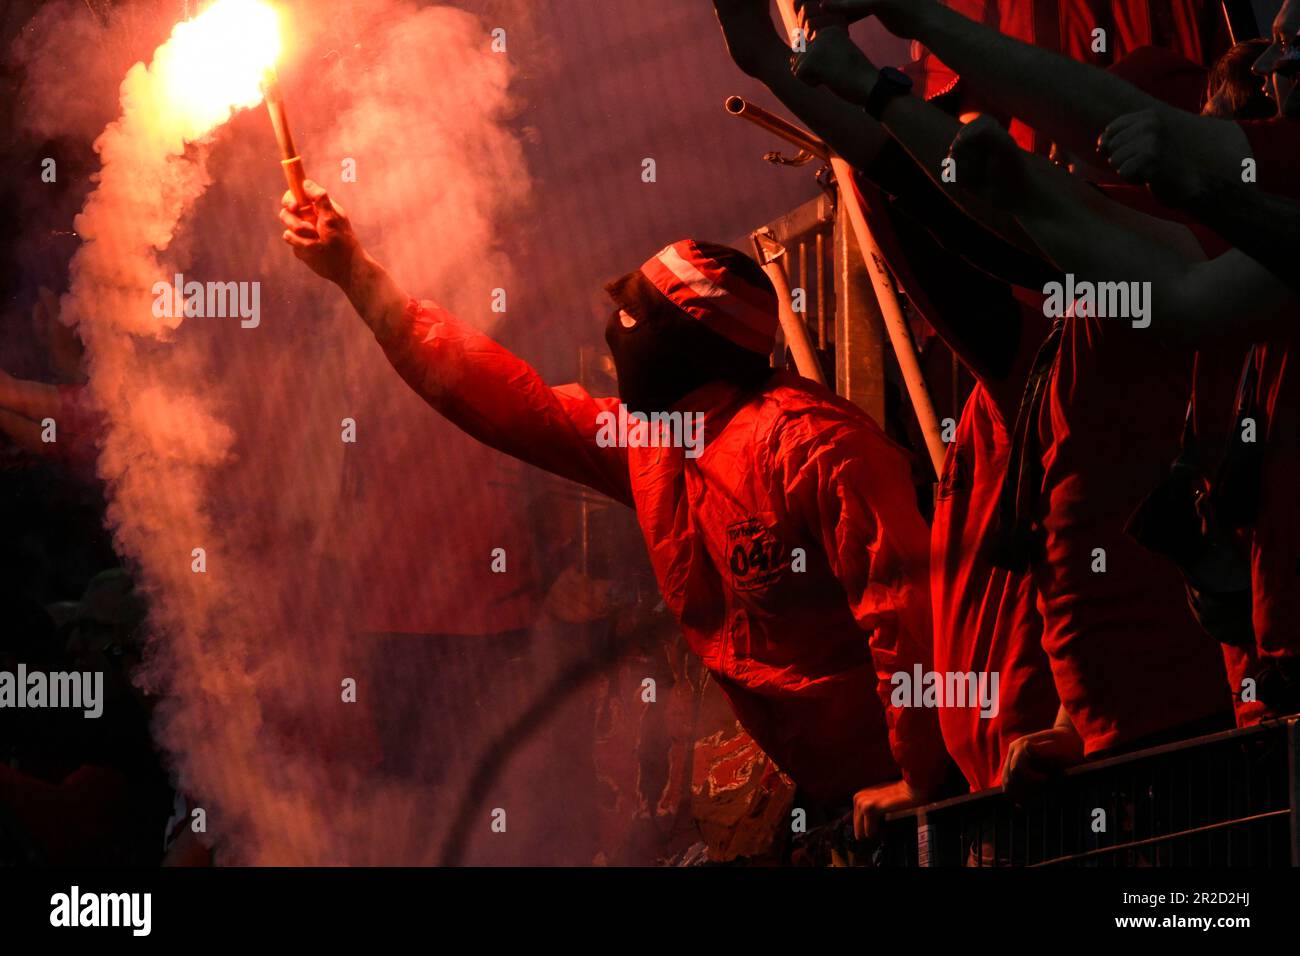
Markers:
point(214, 64)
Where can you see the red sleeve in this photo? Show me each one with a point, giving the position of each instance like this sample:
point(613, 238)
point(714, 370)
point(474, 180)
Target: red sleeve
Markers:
point(854, 488)
point(500, 400)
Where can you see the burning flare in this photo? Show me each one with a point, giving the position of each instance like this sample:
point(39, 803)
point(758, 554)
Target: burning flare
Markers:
point(208, 441)
point(214, 64)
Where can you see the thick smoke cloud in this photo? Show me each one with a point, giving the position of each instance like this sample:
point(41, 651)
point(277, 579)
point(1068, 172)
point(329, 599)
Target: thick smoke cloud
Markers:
point(474, 171)
point(228, 438)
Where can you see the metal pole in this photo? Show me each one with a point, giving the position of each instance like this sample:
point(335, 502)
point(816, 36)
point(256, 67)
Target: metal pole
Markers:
point(900, 336)
point(883, 284)
point(769, 253)
point(1240, 16)
point(806, 141)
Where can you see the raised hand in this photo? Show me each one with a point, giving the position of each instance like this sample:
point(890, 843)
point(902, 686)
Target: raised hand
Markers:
point(833, 59)
point(750, 34)
point(326, 243)
point(1156, 148)
point(988, 163)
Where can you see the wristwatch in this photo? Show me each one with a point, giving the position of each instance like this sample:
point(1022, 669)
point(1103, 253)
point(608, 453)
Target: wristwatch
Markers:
point(889, 84)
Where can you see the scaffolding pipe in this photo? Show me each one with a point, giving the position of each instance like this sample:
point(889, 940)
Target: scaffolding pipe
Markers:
point(900, 337)
point(796, 136)
point(769, 253)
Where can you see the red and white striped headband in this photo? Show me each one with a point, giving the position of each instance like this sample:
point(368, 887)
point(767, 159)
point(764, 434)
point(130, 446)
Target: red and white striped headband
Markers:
point(706, 290)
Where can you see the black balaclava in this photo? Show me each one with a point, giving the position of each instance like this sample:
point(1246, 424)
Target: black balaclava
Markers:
point(668, 353)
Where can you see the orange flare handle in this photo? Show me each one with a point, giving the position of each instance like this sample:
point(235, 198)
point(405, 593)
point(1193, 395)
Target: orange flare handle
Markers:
point(293, 175)
point(290, 161)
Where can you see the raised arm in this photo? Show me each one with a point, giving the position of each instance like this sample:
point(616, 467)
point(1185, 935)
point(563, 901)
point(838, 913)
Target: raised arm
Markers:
point(1070, 102)
point(1262, 225)
point(829, 103)
point(826, 86)
point(922, 129)
point(480, 387)
point(1146, 149)
point(760, 52)
point(1192, 301)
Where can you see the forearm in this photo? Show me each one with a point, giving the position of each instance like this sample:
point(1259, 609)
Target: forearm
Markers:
point(926, 133)
point(848, 131)
point(1063, 744)
point(1190, 302)
point(1262, 225)
point(1086, 233)
point(1095, 250)
point(1070, 102)
point(920, 138)
point(31, 400)
point(1080, 240)
point(375, 296)
point(483, 389)
point(923, 130)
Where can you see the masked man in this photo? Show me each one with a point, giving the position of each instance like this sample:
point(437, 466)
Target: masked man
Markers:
point(780, 520)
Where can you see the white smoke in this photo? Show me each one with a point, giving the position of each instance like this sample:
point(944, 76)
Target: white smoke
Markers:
point(227, 440)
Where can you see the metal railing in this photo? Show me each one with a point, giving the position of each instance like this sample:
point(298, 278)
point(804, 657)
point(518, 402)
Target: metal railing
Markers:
point(1227, 799)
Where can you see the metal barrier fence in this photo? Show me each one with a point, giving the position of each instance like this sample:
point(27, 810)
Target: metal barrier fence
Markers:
point(1228, 799)
point(839, 308)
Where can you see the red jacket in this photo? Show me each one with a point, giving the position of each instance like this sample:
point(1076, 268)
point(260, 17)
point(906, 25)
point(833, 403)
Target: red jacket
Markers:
point(1275, 543)
point(793, 467)
point(1128, 657)
point(985, 617)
